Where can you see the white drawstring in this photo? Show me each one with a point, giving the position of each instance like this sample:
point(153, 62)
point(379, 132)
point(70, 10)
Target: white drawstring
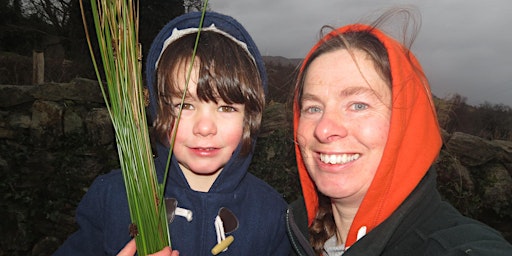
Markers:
point(222, 241)
point(186, 213)
point(361, 232)
point(219, 229)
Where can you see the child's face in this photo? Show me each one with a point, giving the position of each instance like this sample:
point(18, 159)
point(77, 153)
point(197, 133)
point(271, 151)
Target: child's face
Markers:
point(208, 132)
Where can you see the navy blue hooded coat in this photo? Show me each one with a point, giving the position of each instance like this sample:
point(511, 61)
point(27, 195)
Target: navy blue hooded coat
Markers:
point(103, 215)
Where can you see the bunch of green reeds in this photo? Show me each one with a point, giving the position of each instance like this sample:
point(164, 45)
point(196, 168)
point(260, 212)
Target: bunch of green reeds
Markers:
point(116, 23)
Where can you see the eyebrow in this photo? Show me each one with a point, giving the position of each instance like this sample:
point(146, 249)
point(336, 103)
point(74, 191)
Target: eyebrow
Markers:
point(356, 90)
point(349, 91)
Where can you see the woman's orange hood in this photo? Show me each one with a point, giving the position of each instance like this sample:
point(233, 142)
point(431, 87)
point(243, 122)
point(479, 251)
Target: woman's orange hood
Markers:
point(414, 139)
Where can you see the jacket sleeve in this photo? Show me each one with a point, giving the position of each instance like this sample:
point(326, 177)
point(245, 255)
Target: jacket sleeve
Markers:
point(469, 239)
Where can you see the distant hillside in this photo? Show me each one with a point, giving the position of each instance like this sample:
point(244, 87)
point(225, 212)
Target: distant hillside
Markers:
point(278, 60)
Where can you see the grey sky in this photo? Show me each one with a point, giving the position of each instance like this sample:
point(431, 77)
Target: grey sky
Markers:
point(465, 46)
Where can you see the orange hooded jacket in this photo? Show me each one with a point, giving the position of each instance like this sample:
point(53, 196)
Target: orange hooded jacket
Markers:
point(413, 143)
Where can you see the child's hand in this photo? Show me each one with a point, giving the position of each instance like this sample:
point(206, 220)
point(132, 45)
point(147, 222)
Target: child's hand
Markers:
point(130, 248)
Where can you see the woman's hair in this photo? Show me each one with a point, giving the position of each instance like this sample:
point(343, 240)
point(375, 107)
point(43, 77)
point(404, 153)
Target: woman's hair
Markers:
point(226, 71)
point(323, 226)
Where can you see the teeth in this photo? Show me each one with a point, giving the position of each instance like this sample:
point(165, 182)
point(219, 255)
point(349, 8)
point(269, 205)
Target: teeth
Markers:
point(338, 159)
point(206, 149)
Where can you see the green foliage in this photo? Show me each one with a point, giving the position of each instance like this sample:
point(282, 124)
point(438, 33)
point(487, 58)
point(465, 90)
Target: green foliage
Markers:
point(25, 25)
point(489, 121)
point(456, 186)
point(281, 78)
point(495, 121)
point(274, 156)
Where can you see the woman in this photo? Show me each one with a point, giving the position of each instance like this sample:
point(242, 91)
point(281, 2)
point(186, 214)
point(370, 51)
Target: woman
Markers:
point(367, 135)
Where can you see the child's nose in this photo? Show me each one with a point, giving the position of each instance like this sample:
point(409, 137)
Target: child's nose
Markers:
point(205, 124)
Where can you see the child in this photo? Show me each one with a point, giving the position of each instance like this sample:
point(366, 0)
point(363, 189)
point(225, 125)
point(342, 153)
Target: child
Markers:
point(215, 195)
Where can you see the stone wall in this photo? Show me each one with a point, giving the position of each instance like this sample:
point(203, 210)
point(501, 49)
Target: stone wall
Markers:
point(52, 111)
point(475, 175)
point(55, 138)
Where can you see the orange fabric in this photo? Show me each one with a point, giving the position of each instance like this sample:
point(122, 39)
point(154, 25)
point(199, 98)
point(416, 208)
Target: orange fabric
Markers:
point(414, 140)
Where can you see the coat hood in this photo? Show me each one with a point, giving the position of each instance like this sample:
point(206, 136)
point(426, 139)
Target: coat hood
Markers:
point(413, 142)
point(187, 23)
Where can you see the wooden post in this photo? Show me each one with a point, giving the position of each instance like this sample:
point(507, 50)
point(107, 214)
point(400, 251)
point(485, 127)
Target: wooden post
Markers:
point(37, 67)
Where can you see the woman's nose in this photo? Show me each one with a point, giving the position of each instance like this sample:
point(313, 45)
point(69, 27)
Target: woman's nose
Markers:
point(331, 126)
point(204, 124)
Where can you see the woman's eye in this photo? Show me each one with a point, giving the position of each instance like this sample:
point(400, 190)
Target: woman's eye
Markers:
point(312, 109)
point(359, 106)
point(227, 109)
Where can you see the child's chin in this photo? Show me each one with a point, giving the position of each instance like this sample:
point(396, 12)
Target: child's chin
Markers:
point(206, 171)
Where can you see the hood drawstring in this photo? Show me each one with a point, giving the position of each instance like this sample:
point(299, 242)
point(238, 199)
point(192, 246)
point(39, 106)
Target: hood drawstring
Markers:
point(361, 232)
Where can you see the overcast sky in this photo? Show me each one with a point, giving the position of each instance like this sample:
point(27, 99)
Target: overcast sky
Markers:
point(465, 46)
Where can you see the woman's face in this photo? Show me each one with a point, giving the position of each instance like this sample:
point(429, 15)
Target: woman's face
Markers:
point(344, 122)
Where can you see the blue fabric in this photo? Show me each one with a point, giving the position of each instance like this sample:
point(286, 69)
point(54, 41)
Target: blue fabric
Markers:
point(103, 215)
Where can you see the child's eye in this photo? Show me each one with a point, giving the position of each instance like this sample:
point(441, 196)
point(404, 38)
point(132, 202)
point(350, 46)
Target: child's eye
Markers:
point(186, 106)
point(359, 106)
point(227, 109)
